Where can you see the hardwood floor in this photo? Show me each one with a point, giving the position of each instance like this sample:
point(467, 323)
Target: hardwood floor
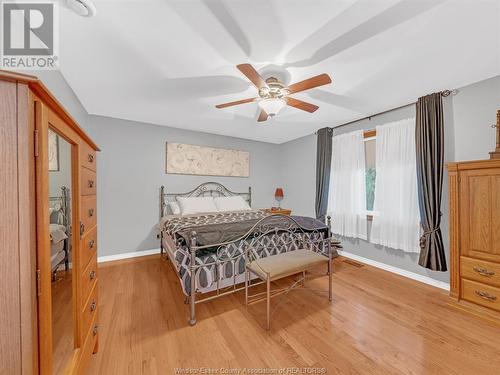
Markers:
point(378, 323)
point(62, 321)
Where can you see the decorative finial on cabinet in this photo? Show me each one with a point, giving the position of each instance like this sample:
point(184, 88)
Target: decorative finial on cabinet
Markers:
point(496, 154)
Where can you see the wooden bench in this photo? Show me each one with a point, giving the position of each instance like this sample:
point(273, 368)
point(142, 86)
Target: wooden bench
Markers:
point(282, 265)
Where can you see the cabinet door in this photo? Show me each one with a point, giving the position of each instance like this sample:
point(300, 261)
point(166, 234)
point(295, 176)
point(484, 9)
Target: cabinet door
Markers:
point(480, 214)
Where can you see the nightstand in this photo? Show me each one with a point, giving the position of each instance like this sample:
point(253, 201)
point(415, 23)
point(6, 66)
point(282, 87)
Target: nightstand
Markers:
point(276, 210)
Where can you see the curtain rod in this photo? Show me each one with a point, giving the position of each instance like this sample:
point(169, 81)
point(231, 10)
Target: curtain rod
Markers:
point(444, 93)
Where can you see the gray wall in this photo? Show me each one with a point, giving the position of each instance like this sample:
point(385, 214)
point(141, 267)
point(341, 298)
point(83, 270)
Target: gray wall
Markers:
point(468, 116)
point(62, 177)
point(298, 175)
point(474, 110)
point(131, 168)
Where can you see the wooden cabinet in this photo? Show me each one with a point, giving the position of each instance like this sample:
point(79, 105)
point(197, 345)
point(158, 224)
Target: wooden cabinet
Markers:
point(27, 111)
point(475, 236)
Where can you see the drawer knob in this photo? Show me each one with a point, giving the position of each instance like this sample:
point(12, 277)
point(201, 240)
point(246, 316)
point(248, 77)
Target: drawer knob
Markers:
point(486, 295)
point(91, 244)
point(484, 271)
point(90, 183)
point(91, 158)
point(92, 275)
point(91, 212)
point(94, 330)
point(93, 306)
point(82, 229)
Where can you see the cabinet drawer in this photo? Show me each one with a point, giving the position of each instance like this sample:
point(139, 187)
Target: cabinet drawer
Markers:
point(88, 348)
point(88, 280)
point(88, 157)
point(481, 294)
point(88, 183)
point(89, 211)
point(88, 246)
point(89, 310)
point(480, 270)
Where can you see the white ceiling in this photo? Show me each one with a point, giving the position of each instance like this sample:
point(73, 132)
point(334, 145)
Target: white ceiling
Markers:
point(170, 62)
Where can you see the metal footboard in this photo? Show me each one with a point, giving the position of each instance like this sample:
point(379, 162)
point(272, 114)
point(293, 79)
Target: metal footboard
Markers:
point(258, 241)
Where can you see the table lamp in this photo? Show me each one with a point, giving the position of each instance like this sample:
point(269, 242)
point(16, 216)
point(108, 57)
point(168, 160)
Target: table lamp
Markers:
point(278, 195)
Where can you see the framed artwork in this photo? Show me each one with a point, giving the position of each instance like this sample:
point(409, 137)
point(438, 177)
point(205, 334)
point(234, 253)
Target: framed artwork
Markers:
point(53, 151)
point(206, 161)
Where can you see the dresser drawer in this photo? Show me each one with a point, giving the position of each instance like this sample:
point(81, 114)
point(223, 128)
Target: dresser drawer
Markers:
point(481, 294)
point(89, 310)
point(88, 348)
point(88, 279)
point(89, 211)
point(88, 183)
point(480, 270)
point(88, 157)
point(88, 246)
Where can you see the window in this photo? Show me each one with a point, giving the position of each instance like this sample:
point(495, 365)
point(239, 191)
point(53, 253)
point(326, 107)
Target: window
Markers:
point(373, 177)
point(370, 169)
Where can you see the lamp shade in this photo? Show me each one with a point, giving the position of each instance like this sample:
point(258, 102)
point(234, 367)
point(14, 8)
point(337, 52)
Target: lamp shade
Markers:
point(272, 105)
point(279, 193)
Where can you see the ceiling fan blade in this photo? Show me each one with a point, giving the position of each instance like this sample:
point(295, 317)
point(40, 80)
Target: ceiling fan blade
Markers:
point(322, 79)
point(250, 72)
point(263, 116)
point(308, 107)
point(243, 101)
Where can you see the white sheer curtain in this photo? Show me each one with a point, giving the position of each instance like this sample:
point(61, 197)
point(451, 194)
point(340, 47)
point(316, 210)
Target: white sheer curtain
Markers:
point(347, 197)
point(396, 222)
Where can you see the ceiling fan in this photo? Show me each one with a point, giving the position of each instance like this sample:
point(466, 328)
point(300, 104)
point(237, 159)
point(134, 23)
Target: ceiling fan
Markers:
point(274, 95)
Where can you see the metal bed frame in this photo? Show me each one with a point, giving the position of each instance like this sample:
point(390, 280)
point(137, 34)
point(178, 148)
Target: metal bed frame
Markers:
point(255, 246)
point(207, 189)
point(65, 202)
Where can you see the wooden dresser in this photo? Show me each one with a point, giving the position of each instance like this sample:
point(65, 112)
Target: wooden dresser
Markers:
point(27, 111)
point(475, 236)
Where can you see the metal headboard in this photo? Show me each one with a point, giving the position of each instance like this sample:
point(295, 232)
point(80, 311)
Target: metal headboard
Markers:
point(64, 200)
point(207, 189)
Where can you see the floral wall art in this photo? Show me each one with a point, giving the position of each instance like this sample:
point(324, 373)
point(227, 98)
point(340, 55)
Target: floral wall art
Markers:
point(206, 161)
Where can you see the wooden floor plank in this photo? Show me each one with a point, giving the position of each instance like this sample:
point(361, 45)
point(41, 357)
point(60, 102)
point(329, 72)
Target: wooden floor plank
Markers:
point(378, 323)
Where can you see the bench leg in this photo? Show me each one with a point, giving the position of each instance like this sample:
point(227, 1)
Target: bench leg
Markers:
point(246, 287)
point(330, 279)
point(268, 301)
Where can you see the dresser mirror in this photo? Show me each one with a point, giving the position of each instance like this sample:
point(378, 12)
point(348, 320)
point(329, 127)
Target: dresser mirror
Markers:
point(60, 227)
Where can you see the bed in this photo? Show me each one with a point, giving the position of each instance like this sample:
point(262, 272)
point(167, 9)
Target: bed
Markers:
point(59, 228)
point(209, 250)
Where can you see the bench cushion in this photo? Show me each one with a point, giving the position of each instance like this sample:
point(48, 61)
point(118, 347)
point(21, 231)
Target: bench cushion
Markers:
point(286, 264)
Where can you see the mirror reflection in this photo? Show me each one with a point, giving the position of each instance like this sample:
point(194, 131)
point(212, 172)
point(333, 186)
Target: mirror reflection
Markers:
point(60, 250)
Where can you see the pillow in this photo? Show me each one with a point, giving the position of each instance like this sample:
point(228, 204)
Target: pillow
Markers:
point(194, 205)
point(236, 203)
point(174, 208)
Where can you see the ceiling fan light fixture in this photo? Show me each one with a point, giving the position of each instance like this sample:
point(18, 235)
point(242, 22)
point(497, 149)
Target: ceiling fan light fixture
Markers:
point(272, 106)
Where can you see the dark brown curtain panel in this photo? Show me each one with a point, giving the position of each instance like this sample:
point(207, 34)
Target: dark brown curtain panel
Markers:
point(429, 134)
point(323, 165)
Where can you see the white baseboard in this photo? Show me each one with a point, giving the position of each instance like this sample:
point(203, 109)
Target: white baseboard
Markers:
point(396, 270)
point(134, 254)
point(399, 271)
